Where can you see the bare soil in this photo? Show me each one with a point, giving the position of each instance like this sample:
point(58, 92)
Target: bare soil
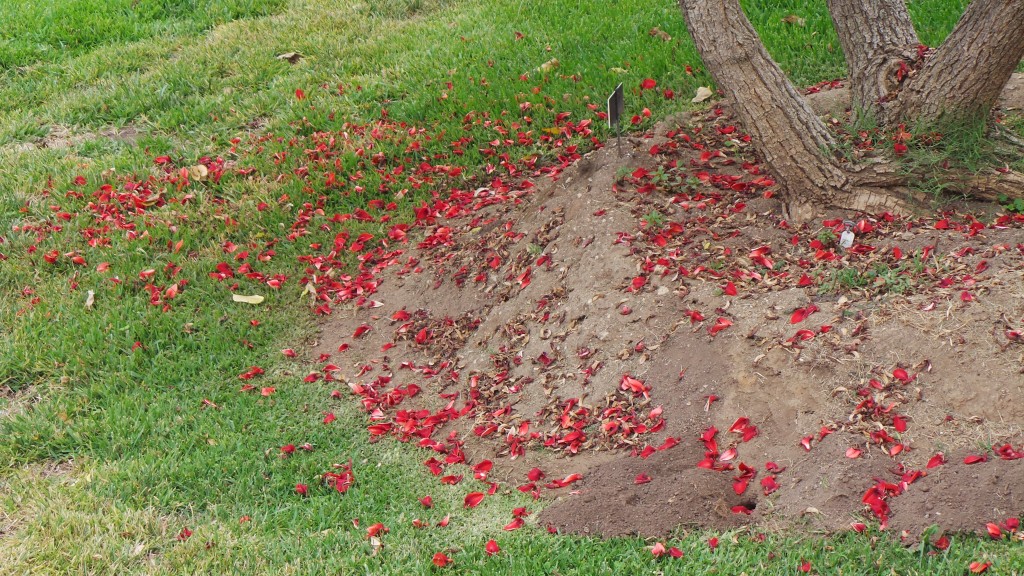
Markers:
point(618, 318)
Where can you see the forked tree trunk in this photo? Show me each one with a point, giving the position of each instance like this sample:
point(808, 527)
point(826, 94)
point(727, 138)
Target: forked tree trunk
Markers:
point(876, 36)
point(793, 140)
point(963, 79)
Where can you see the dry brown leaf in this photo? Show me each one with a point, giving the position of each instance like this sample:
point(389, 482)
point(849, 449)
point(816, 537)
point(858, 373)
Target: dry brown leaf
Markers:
point(660, 34)
point(291, 57)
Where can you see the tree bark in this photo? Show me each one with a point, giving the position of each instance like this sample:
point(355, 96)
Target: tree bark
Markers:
point(794, 142)
point(789, 135)
point(961, 82)
point(876, 35)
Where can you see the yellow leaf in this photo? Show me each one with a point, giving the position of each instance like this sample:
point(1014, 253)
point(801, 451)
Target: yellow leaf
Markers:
point(549, 65)
point(703, 93)
point(254, 299)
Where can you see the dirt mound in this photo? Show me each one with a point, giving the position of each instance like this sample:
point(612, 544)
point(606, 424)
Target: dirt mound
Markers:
point(646, 340)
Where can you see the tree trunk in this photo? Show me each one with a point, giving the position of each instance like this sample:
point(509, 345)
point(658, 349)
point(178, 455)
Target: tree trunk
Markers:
point(789, 135)
point(876, 36)
point(793, 140)
point(795, 143)
point(962, 81)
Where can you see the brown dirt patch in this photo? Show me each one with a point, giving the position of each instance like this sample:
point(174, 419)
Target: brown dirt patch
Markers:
point(517, 320)
point(60, 137)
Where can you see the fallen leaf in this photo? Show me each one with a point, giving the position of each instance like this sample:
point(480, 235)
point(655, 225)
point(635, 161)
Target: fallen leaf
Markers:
point(703, 93)
point(290, 57)
point(253, 299)
point(549, 65)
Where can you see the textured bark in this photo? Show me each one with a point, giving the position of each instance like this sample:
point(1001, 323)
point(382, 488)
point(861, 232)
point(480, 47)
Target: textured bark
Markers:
point(788, 134)
point(962, 81)
point(795, 144)
point(876, 35)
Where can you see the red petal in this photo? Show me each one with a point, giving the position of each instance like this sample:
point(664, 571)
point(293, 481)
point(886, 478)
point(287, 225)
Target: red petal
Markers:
point(852, 452)
point(427, 501)
point(675, 552)
point(642, 479)
point(535, 475)
point(740, 423)
point(979, 567)
point(492, 548)
point(899, 423)
point(658, 550)
point(721, 324)
point(441, 560)
point(514, 524)
point(994, 531)
point(473, 499)
point(739, 486)
point(730, 289)
point(937, 460)
point(974, 459)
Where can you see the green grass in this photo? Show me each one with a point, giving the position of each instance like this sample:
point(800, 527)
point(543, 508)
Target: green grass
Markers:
point(119, 387)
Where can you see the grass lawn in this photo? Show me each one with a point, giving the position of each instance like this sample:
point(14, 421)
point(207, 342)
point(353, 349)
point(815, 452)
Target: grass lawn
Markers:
point(143, 144)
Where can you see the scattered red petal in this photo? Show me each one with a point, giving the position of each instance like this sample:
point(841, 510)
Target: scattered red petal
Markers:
point(721, 324)
point(441, 560)
point(473, 499)
point(492, 547)
point(979, 567)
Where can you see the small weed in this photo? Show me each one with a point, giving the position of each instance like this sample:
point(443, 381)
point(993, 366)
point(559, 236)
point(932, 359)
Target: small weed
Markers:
point(1015, 205)
point(622, 173)
point(654, 219)
point(879, 279)
point(827, 238)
